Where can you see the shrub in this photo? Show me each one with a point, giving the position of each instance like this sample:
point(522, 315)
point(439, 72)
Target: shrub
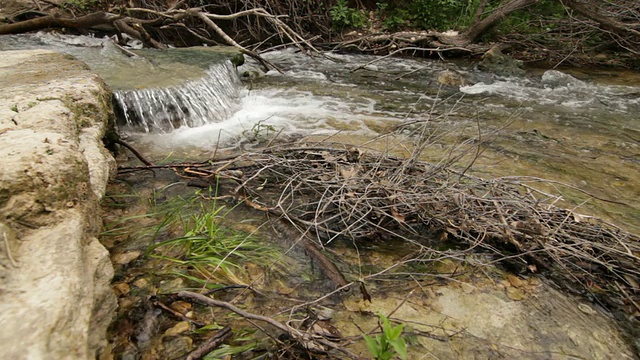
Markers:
point(343, 16)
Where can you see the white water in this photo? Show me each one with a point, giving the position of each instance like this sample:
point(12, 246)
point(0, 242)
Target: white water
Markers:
point(322, 96)
point(555, 88)
point(214, 98)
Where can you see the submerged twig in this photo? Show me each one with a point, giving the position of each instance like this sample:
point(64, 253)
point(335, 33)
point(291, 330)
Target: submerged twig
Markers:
point(214, 342)
point(134, 151)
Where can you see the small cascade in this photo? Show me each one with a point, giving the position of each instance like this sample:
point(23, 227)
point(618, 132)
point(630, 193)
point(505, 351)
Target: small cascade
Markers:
point(194, 103)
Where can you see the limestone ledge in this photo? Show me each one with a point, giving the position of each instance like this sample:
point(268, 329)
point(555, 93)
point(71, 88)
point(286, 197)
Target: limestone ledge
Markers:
point(55, 299)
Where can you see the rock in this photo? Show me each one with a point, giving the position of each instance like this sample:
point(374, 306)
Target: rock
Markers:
point(555, 78)
point(543, 324)
point(176, 347)
point(180, 306)
point(496, 62)
point(53, 115)
point(121, 288)
point(178, 329)
point(126, 257)
point(452, 78)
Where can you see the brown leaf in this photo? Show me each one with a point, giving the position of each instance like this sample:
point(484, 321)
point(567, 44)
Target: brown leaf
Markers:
point(396, 215)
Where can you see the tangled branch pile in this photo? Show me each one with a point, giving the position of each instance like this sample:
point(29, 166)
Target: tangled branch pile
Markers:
point(338, 192)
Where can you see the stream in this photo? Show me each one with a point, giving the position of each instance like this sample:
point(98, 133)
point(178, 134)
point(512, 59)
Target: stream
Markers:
point(578, 127)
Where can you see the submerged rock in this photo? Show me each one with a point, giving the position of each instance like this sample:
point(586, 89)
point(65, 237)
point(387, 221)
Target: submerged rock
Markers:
point(56, 301)
point(481, 319)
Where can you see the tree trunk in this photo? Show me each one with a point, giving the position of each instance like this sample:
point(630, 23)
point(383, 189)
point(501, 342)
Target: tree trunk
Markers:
point(87, 21)
point(478, 28)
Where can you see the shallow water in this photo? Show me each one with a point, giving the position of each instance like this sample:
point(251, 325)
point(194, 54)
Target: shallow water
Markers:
point(584, 132)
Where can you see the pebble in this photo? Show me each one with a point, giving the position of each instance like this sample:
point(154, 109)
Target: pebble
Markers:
point(515, 281)
point(178, 328)
point(121, 288)
point(126, 257)
point(181, 306)
point(141, 283)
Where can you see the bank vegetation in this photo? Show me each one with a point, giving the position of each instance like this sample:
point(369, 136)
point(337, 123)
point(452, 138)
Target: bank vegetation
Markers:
point(570, 32)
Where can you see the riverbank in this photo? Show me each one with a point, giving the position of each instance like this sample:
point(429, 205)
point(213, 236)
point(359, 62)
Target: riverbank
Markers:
point(56, 301)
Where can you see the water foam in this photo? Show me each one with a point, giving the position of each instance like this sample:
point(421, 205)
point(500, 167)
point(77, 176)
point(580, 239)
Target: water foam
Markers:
point(559, 89)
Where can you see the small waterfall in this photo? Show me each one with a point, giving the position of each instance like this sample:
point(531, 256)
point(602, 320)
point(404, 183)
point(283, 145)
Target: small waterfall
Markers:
point(194, 103)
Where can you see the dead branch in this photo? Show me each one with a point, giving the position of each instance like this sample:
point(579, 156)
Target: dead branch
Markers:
point(83, 22)
point(205, 18)
point(154, 19)
point(422, 42)
point(134, 151)
point(214, 342)
point(304, 339)
point(188, 295)
point(360, 195)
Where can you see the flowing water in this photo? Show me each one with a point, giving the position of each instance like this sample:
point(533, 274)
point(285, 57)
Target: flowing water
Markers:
point(581, 129)
point(574, 126)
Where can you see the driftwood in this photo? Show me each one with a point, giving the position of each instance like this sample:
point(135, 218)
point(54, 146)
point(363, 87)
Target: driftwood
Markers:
point(339, 193)
point(49, 21)
point(424, 43)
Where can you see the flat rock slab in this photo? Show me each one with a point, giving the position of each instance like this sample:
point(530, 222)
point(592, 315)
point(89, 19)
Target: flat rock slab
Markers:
point(481, 319)
point(55, 298)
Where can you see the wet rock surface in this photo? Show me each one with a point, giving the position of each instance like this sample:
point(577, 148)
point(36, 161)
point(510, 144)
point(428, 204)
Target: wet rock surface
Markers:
point(495, 61)
point(450, 308)
point(55, 299)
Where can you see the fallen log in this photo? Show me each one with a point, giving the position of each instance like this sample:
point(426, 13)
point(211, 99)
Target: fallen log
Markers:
point(51, 21)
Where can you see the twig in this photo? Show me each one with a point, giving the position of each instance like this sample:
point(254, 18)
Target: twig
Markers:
point(212, 343)
point(164, 307)
point(135, 152)
point(211, 302)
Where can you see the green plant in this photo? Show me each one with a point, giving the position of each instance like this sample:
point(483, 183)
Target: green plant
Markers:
point(427, 14)
point(343, 16)
point(388, 344)
point(209, 249)
point(259, 131)
point(392, 17)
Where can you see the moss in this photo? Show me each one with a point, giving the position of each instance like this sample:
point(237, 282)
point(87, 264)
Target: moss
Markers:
point(237, 59)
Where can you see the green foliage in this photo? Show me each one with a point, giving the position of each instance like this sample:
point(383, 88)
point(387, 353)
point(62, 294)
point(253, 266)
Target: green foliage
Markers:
point(392, 18)
point(388, 344)
point(527, 21)
point(205, 245)
point(343, 16)
point(427, 14)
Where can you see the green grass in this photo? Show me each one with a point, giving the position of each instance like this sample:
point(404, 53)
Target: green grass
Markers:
point(193, 232)
point(208, 251)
